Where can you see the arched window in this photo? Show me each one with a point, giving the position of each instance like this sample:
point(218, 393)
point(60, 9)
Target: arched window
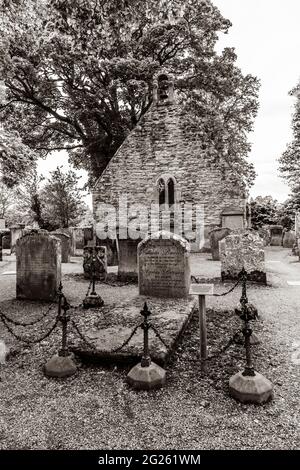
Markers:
point(171, 192)
point(166, 191)
point(161, 191)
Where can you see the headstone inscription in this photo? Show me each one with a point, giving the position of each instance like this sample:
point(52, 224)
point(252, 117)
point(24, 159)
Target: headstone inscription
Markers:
point(38, 266)
point(164, 266)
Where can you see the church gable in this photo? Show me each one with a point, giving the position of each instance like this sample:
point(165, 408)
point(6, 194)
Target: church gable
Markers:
point(160, 159)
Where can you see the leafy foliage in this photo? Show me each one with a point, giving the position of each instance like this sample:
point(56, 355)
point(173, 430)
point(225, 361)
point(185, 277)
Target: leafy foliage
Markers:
point(290, 160)
point(78, 76)
point(62, 199)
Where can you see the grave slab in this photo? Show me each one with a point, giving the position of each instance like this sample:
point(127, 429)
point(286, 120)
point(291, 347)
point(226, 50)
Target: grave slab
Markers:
point(169, 316)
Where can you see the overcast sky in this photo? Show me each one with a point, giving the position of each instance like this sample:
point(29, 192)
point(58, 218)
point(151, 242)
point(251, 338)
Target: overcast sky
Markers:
point(266, 36)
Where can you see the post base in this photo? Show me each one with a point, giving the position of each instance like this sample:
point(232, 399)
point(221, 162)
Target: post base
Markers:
point(93, 301)
point(60, 366)
point(256, 389)
point(146, 378)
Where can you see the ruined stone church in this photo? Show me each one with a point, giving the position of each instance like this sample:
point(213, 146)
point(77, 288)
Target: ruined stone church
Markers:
point(159, 162)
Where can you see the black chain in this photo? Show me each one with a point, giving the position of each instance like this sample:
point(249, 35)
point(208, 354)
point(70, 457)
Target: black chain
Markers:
point(224, 293)
point(26, 340)
point(34, 322)
point(159, 336)
point(127, 340)
point(92, 346)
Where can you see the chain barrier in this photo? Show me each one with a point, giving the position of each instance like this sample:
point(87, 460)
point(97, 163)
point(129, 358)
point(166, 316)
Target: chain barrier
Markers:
point(34, 322)
point(157, 334)
point(26, 340)
point(224, 293)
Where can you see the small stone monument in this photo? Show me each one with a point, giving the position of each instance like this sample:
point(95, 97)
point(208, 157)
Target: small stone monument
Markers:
point(38, 266)
point(164, 266)
point(289, 239)
point(276, 232)
point(65, 245)
point(243, 249)
point(297, 225)
point(128, 266)
point(215, 236)
point(95, 261)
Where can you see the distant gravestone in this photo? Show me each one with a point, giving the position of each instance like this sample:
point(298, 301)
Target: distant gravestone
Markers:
point(128, 265)
point(3, 234)
point(38, 266)
point(215, 236)
point(16, 231)
point(276, 233)
point(2, 224)
point(240, 250)
point(65, 245)
point(70, 231)
point(164, 266)
point(88, 236)
point(289, 239)
point(95, 260)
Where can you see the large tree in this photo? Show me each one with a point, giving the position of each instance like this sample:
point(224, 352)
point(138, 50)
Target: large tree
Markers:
point(62, 199)
point(78, 76)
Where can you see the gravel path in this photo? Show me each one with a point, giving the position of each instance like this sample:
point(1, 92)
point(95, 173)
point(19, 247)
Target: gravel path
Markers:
point(95, 409)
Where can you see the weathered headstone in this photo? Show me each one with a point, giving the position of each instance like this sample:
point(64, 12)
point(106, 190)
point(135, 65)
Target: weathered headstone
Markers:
point(244, 249)
point(215, 236)
point(276, 232)
point(70, 231)
point(88, 236)
point(128, 266)
point(2, 224)
point(6, 241)
point(289, 239)
point(38, 266)
point(3, 233)
point(95, 261)
point(16, 231)
point(164, 266)
point(65, 245)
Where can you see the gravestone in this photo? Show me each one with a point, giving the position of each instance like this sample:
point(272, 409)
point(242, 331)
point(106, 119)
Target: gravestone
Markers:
point(215, 236)
point(88, 236)
point(95, 260)
point(243, 249)
point(289, 239)
point(164, 266)
point(276, 232)
point(65, 245)
point(2, 224)
point(128, 265)
point(38, 257)
point(6, 241)
point(3, 234)
point(16, 231)
point(70, 231)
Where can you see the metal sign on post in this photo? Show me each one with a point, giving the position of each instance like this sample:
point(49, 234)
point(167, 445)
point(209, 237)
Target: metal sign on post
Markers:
point(202, 290)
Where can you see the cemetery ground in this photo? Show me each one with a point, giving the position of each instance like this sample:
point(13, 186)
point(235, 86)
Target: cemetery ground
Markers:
point(96, 409)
